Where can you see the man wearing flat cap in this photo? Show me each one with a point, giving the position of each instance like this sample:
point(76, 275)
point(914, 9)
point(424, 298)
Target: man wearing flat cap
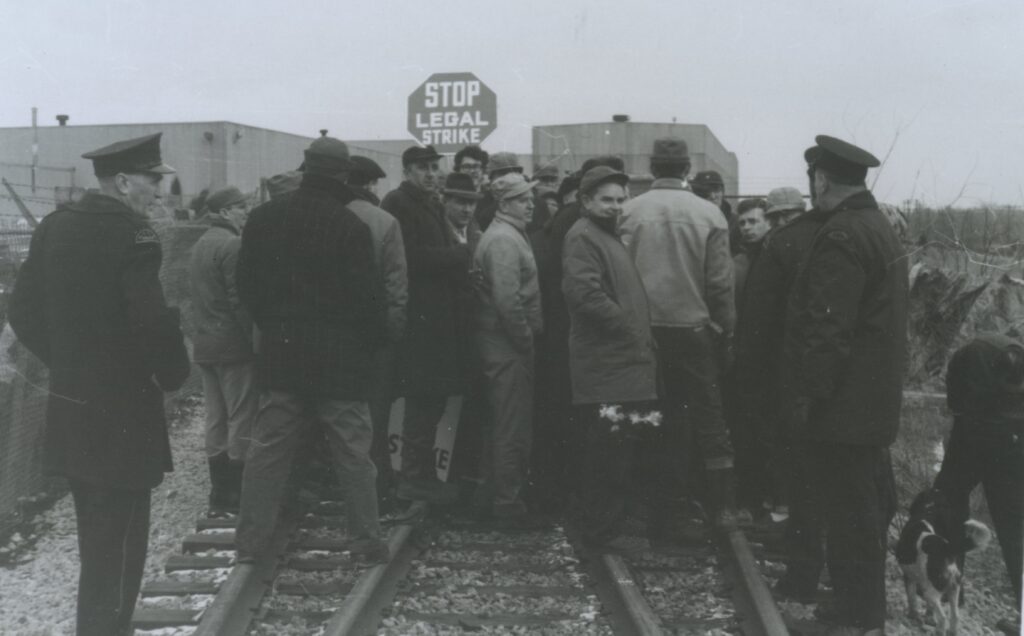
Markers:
point(508, 318)
point(392, 278)
point(708, 185)
point(784, 205)
point(429, 369)
point(89, 304)
point(680, 244)
point(611, 353)
point(307, 275)
point(222, 347)
point(500, 163)
point(846, 348)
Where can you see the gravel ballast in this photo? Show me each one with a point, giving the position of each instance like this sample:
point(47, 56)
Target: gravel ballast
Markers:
point(38, 594)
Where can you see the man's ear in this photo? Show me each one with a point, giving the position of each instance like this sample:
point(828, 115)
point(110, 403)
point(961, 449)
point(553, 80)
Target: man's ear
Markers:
point(122, 182)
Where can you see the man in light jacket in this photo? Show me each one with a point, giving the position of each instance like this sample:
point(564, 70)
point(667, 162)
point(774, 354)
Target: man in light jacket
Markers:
point(389, 257)
point(680, 244)
point(508, 319)
point(611, 356)
point(223, 347)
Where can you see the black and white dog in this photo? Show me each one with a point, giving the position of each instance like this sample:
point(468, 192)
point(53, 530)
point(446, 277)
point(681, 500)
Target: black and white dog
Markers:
point(927, 552)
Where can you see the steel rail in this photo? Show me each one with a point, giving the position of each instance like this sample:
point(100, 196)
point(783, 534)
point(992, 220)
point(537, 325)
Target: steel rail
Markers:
point(376, 587)
point(764, 617)
point(240, 595)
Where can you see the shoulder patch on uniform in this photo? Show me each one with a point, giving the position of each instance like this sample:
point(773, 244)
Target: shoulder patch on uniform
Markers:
point(838, 235)
point(146, 235)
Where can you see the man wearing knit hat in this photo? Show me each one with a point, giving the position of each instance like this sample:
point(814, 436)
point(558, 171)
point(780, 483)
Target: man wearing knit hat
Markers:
point(846, 351)
point(307, 275)
point(429, 367)
point(88, 303)
point(222, 347)
point(680, 244)
point(507, 320)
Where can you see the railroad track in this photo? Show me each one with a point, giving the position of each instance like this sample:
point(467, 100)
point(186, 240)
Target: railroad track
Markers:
point(450, 574)
point(712, 589)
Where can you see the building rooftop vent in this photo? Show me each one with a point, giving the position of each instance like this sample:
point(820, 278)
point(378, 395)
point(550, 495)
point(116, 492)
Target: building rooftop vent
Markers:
point(620, 119)
point(63, 119)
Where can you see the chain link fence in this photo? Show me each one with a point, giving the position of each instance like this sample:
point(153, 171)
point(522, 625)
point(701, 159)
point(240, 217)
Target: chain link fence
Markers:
point(24, 379)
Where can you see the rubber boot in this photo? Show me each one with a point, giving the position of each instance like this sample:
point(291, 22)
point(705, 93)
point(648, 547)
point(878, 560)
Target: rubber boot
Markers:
point(722, 491)
point(219, 465)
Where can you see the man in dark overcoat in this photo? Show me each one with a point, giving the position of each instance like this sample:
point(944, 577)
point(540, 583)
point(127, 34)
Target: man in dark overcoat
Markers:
point(88, 302)
point(847, 341)
point(430, 368)
point(765, 392)
point(306, 274)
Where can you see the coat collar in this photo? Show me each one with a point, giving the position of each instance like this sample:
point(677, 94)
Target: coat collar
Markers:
point(323, 183)
point(415, 192)
point(519, 224)
point(365, 195)
point(669, 183)
point(96, 203)
point(859, 201)
point(217, 220)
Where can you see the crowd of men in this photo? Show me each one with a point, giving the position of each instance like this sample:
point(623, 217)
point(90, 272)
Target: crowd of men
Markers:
point(658, 365)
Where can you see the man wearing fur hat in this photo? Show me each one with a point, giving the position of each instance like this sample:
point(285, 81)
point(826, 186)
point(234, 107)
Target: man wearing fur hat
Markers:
point(222, 347)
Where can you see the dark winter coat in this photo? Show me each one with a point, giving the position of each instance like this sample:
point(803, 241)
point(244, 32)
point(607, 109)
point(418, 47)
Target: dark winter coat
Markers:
point(849, 327)
point(611, 350)
point(976, 394)
point(434, 354)
point(223, 327)
point(306, 273)
point(761, 325)
point(88, 302)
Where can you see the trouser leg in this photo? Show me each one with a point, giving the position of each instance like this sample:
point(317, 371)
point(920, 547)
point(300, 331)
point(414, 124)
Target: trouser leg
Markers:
point(351, 434)
point(280, 427)
point(419, 429)
point(671, 449)
point(216, 411)
point(1003, 481)
point(113, 537)
point(856, 489)
point(959, 475)
point(510, 391)
point(241, 399)
point(382, 395)
point(805, 553)
point(608, 461)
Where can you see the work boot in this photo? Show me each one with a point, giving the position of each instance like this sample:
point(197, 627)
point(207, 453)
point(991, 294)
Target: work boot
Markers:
point(722, 491)
point(219, 485)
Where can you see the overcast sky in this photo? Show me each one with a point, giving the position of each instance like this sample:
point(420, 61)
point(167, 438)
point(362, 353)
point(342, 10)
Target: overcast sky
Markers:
point(945, 76)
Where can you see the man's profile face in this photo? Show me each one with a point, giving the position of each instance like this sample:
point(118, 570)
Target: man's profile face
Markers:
point(716, 196)
point(459, 210)
point(237, 213)
point(606, 202)
point(141, 190)
point(519, 207)
point(753, 225)
point(425, 175)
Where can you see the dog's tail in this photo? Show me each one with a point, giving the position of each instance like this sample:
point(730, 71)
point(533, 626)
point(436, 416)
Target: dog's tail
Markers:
point(976, 535)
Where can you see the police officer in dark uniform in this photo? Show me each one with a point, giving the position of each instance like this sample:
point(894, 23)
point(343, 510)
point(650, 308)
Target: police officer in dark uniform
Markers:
point(985, 393)
point(765, 393)
point(88, 302)
point(847, 342)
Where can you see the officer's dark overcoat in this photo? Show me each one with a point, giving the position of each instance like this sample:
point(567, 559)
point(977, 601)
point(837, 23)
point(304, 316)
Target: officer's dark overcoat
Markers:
point(88, 302)
point(848, 333)
point(433, 356)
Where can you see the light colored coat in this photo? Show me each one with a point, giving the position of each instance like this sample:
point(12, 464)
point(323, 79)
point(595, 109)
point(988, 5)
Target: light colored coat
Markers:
point(680, 244)
point(509, 300)
point(389, 255)
point(611, 352)
point(223, 327)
